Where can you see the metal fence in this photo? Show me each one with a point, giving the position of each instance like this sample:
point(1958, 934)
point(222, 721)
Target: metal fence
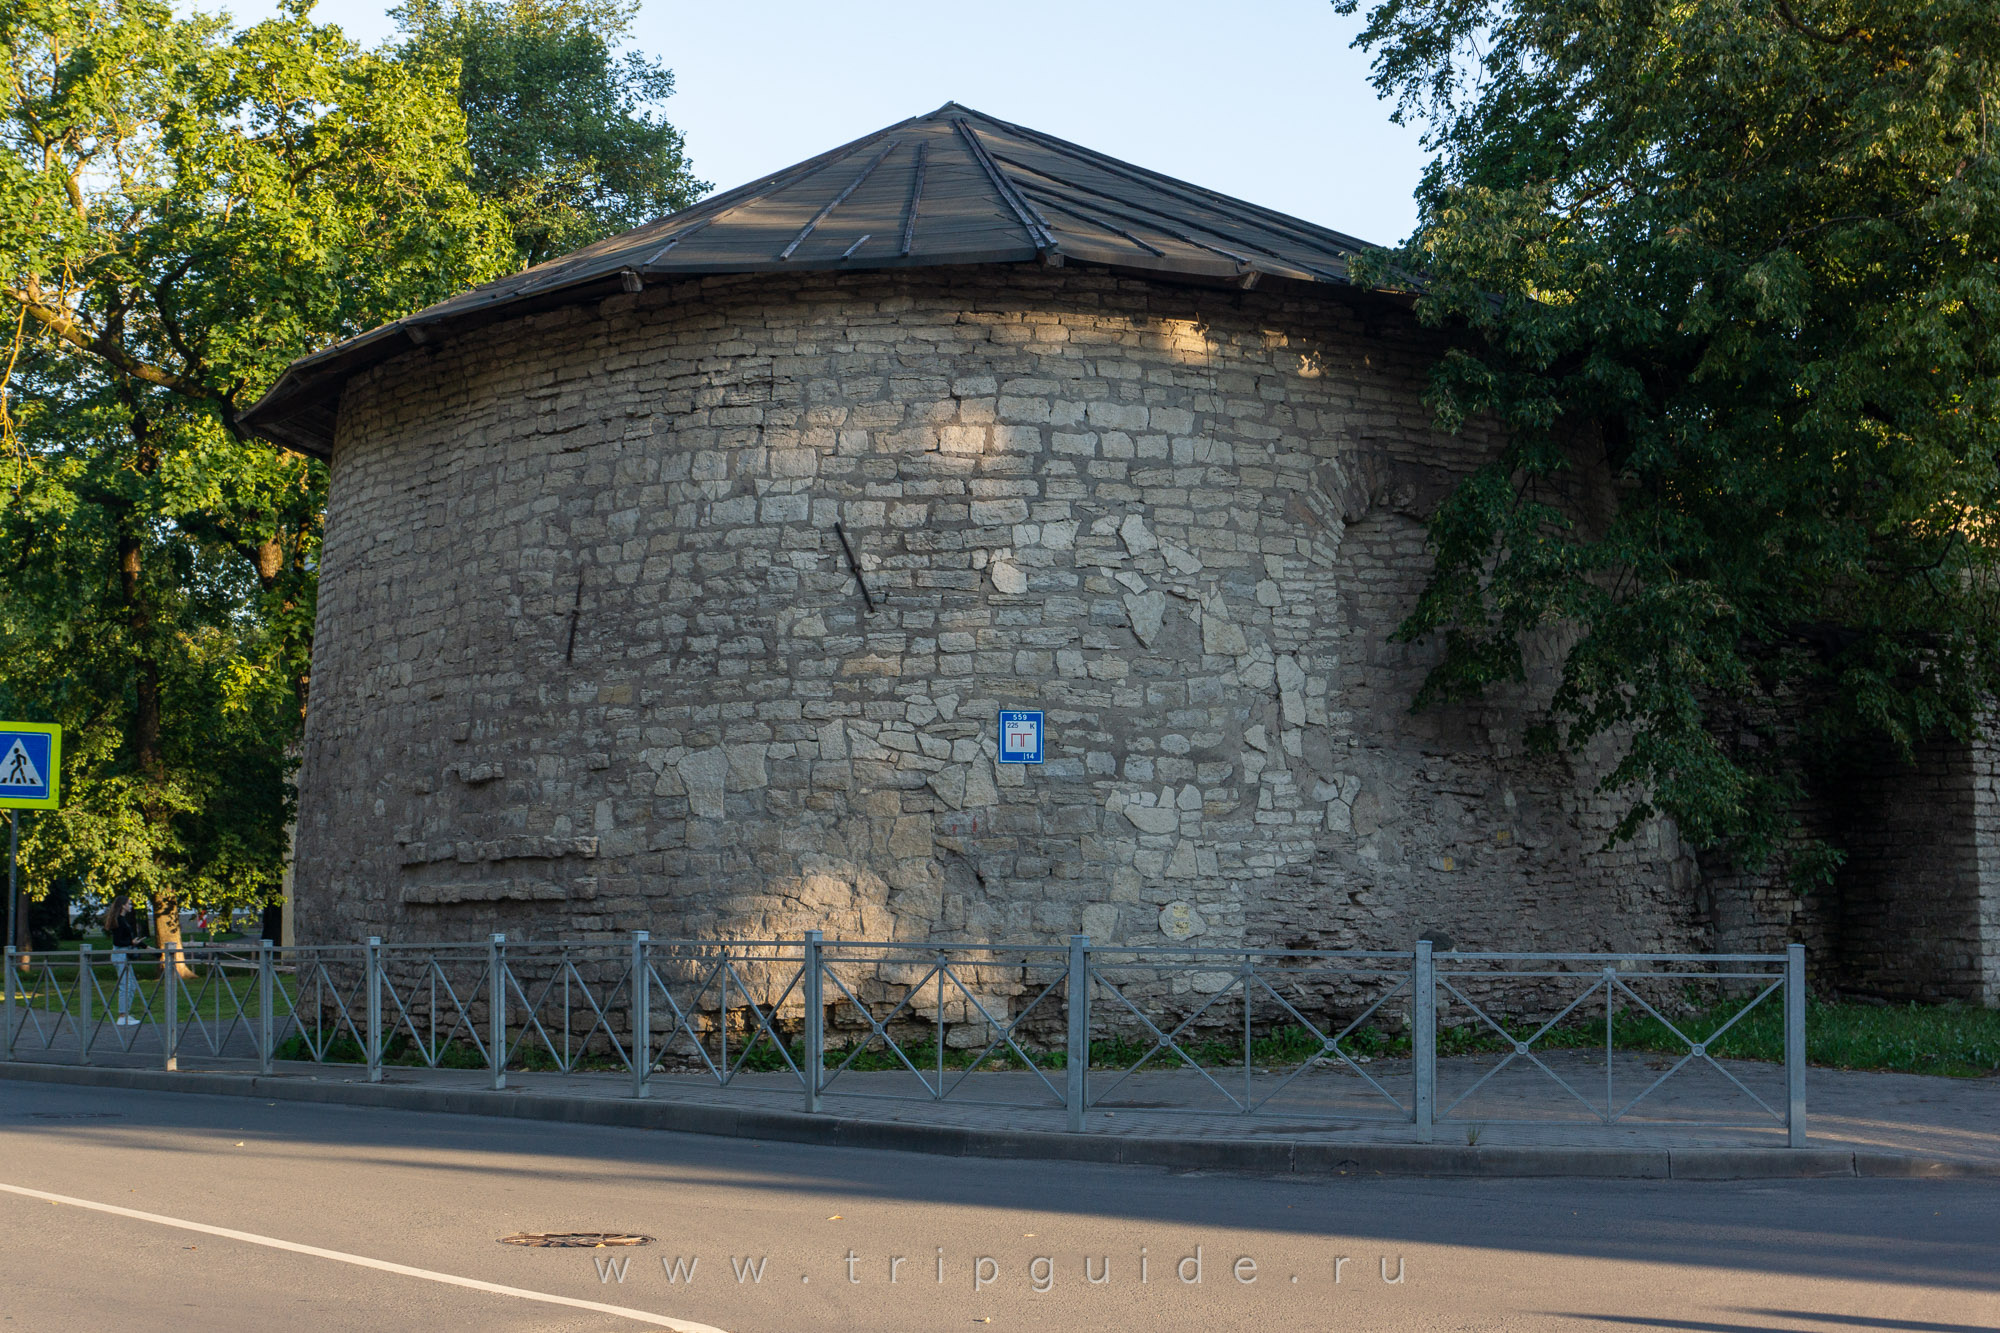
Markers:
point(1416, 1037)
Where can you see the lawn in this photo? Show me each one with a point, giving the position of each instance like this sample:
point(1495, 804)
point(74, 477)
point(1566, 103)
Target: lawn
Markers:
point(54, 988)
point(1954, 1040)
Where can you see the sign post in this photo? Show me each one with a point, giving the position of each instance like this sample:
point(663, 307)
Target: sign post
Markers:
point(30, 779)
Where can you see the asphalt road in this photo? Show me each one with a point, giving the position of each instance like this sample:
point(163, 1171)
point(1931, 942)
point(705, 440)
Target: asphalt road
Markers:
point(400, 1214)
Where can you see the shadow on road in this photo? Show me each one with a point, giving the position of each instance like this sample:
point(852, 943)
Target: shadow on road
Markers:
point(1792, 1316)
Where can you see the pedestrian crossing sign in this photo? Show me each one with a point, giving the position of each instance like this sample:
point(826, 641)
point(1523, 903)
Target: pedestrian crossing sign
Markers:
point(30, 766)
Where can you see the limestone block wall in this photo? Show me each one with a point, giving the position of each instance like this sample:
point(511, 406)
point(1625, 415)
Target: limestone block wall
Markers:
point(590, 657)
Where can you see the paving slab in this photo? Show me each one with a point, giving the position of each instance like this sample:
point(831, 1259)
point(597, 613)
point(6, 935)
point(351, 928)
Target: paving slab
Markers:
point(1563, 1112)
point(1869, 1125)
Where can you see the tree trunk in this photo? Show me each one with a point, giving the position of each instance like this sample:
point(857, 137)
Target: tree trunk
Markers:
point(146, 722)
point(146, 726)
point(167, 933)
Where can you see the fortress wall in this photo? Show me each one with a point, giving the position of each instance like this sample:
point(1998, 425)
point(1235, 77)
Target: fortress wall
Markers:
point(590, 659)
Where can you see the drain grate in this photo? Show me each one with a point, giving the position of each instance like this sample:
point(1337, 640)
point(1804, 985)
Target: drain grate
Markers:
point(76, 1115)
point(575, 1240)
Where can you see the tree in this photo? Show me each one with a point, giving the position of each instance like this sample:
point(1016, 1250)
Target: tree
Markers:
point(565, 137)
point(1742, 254)
point(183, 210)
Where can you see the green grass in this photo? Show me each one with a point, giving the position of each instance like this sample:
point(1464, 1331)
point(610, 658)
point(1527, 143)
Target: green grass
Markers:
point(1960, 1041)
point(402, 1052)
point(1954, 1040)
point(52, 989)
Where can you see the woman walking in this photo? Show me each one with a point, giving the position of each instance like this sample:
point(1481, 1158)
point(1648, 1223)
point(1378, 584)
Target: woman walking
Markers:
point(118, 919)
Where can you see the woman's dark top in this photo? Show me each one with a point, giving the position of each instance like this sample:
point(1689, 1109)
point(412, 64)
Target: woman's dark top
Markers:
point(122, 933)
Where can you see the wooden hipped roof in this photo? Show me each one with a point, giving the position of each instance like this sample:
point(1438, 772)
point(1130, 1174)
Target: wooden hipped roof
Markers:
point(951, 187)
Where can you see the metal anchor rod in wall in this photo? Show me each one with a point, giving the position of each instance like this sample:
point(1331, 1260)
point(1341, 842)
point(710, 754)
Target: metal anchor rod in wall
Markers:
point(852, 565)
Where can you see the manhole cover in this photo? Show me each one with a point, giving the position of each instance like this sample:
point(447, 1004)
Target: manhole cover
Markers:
point(574, 1240)
point(77, 1115)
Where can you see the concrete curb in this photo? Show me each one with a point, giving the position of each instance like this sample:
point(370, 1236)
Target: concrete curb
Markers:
point(1257, 1156)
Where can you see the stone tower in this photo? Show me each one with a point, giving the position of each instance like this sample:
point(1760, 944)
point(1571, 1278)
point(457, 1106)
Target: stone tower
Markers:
point(677, 584)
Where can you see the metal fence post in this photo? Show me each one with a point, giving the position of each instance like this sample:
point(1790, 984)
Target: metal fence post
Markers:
point(170, 987)
point(7, 1038)
point(1795, 1045)
point(496, 1009)
point(814, 1065)
point(86, 981)
point(1423, 1037)
point(265, 979)
point(641, 1001)
point(1076, 1050)
point(1610, 1020)
point(374, 959)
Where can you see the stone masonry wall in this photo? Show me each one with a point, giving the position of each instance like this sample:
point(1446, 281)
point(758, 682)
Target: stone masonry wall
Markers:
point(1915, 899)
point(1914, 912)
point(1983, 759)
point(589, 657)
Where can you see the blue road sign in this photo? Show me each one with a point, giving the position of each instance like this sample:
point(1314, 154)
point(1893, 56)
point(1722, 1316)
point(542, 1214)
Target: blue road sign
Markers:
point(1021, 736)
point(30, 766)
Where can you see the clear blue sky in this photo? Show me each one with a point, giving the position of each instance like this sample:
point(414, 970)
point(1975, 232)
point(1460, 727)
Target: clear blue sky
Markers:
point(1262, 99)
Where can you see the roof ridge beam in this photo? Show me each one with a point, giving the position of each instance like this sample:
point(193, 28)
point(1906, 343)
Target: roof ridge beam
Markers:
point(916, 201)
point(1180, 236)
point(1270, 217)
point(1098, 222)
point(1286, 260)
point(1037, 227)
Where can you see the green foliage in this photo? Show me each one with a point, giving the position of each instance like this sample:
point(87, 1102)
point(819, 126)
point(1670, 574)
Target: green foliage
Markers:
point(1737, 258)
point(183, 210)
point(564, 135)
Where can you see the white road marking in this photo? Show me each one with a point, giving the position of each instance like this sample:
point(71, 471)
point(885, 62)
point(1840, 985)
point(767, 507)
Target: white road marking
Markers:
point(363, 1261)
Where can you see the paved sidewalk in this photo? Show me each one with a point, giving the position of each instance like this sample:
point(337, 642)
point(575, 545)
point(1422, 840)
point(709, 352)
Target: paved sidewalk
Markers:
point(1522, 1120)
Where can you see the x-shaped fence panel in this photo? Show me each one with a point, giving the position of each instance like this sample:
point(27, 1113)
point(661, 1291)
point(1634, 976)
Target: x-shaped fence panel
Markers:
point(1311, 1036)
point(219, 1003)
point(126, 993)
point(435, 1002)
point(322, 1014)
point(941, 1016)
point(86, 1002)
point(49, 1003)
point(1600, 1035)
point(716, 1008)
point(561, 1000)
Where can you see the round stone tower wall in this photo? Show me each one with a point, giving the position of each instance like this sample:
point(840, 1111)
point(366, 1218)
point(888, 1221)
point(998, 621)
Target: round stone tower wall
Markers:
point(591, 658)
